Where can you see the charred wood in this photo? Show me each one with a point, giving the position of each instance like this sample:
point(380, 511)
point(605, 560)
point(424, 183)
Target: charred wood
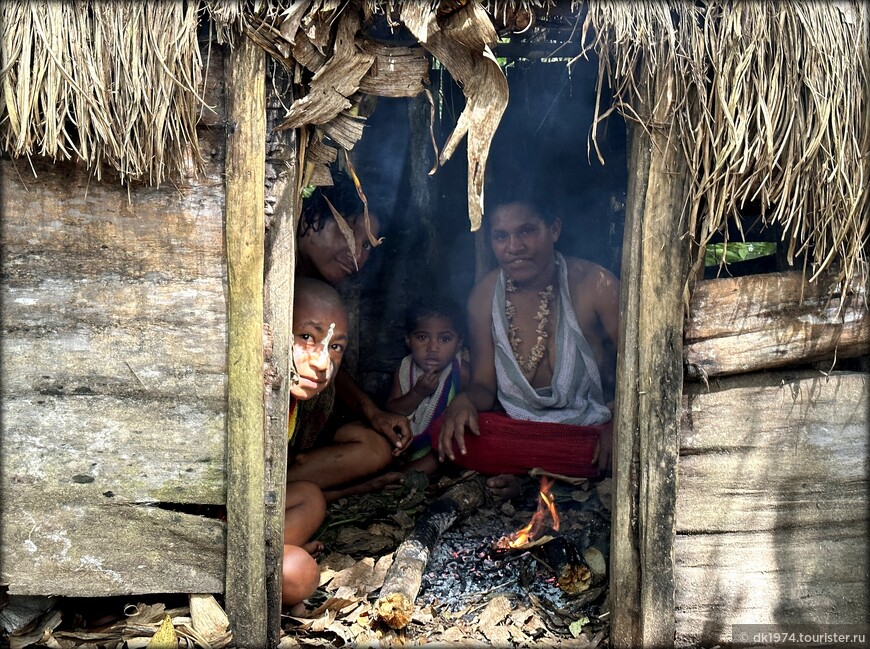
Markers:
point(395, 606)
point(564, 558)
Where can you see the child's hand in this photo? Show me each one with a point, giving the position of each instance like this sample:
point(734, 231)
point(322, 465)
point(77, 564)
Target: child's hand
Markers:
point(427, 383)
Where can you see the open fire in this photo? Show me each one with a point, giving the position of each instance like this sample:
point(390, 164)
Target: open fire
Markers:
point(548, 546)
point(532, 532)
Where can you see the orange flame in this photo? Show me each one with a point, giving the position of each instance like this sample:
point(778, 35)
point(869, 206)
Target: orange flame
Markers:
point(546, 505)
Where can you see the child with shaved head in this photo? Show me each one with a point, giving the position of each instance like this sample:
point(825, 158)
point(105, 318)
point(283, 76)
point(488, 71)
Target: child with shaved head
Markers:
point(320, 328)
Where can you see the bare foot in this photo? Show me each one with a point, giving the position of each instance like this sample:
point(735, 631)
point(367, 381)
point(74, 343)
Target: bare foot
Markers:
point(504, 486)
point(298, 610)
point(314, 548)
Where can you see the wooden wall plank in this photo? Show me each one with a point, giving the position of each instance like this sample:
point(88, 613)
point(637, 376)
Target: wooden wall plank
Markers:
point(120, 445)
point(245, 224)
point(744, 324)
point(780, 449)
point(772, 509)
point(113, 378)
point(815, 575)
point(71, 544)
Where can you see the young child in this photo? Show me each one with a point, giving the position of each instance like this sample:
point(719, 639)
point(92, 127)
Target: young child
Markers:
point(428, 377)
point(320, 327)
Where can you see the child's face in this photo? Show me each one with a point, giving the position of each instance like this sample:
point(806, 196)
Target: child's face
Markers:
point(316, 362)
point(433, 342)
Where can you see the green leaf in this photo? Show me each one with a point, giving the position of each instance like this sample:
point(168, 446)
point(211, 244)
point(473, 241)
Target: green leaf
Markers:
point(737, 251)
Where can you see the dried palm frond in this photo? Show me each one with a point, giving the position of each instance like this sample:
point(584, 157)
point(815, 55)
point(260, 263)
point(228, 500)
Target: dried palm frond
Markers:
point(96, 81)
point(773, 112)
point(768, 100)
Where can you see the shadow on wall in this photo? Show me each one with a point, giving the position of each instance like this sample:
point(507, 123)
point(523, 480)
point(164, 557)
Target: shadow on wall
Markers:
point(772, 522)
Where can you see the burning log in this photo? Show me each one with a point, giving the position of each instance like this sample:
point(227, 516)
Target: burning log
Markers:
point(563, 558)
point(560, 555)
point(395, 606)
point(551, 548)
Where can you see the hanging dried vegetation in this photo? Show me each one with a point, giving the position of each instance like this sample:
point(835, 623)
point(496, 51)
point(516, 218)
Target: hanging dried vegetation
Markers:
point(771, 112)
point(770, 99)
point(99, 83)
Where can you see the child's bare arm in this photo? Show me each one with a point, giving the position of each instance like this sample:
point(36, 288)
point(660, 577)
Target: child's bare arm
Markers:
point(389, 424)
point(406, 404)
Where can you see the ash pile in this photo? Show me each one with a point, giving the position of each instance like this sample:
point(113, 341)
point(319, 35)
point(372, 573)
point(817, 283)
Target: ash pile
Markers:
point(467, 567)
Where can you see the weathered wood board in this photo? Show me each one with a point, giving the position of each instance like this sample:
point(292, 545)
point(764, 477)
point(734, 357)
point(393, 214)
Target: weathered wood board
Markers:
point(78, 542)
point(772, 504)
point(113, 380)
point(745, 324)
point(806, 575)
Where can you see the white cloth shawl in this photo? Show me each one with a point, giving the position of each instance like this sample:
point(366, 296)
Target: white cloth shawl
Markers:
point(574, 396)
point(409, 374)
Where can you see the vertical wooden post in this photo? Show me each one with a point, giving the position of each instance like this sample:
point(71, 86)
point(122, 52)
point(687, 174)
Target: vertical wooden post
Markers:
point(650, 386)
point(624, 577)
point(245, 174)
point(280, 263)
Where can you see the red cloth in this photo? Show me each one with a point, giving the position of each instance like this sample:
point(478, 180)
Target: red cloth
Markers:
point(508, 445)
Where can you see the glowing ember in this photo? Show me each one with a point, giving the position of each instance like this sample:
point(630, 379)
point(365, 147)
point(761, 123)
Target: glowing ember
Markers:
point(528, 534)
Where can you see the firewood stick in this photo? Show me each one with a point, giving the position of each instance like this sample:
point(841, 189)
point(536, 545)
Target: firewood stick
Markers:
point(395, 606)
point(564, 559)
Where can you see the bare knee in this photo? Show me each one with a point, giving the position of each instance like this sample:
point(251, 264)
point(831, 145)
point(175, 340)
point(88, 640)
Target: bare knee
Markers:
point(304, 511)
point(300, 575)
point(376, 452)
point(305, 495)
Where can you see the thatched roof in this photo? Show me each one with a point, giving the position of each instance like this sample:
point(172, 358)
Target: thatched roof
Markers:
point(771, 104)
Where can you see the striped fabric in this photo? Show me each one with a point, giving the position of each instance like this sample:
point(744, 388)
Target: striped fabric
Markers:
point(430, 407)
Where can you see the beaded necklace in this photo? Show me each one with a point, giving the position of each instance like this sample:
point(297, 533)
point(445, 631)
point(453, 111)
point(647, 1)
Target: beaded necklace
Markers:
point(536, 353)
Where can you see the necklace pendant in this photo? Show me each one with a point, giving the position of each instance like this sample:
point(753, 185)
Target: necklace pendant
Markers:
point(536, 353)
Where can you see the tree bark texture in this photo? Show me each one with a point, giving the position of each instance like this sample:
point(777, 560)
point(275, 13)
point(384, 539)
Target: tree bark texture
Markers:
point(395, 606)
point(245, 175)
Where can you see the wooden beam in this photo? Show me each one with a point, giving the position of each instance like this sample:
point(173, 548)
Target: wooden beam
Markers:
point(280, 264)
point(660, 372)
point(245, 175)
point(624, 575)
point(650, 385)
point(536, 51)
point(759, 322)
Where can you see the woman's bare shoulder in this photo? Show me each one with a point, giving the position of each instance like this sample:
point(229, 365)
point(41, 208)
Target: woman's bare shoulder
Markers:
point(484, 288)
point(585, 275)
point(582, 270)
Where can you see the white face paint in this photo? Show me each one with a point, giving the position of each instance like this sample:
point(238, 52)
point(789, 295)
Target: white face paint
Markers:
point(324, 351)
point(316, 362)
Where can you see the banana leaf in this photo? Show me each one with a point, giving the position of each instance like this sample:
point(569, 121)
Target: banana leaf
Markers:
point(735, 252)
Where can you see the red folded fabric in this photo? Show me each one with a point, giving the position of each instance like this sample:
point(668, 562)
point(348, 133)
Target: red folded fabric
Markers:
point(508, 445)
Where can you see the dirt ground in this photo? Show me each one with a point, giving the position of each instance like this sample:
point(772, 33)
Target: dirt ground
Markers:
point(470, 594)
